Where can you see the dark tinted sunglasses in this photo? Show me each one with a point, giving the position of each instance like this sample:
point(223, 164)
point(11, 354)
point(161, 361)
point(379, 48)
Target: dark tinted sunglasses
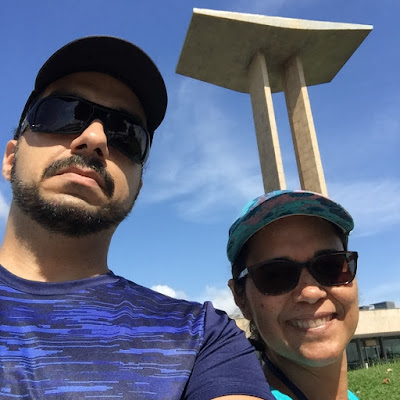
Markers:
point(69, 114)
point(281, 275)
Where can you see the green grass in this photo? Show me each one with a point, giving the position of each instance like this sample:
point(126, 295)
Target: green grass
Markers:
point(368, 384)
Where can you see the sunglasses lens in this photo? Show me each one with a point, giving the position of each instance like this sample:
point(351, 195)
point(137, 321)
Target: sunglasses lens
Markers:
point(127, 137)
point(281, 276)
point(334, 269)
point(71, 115)
point(275, 277)
point(61, 115)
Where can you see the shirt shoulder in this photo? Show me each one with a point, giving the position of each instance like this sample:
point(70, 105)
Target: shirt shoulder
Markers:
point(218, 369)
point(153, 302)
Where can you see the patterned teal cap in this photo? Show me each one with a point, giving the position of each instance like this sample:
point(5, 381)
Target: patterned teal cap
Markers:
point(282, 203)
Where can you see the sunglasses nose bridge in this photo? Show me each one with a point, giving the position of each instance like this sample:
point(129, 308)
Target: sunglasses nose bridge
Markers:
point(314, 273)
point(307, 275)
point(98, 113)
point(92, 138)
point(308, 289)
point(101, 115)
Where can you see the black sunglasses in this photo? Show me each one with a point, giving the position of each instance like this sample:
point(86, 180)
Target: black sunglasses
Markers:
point(69, 114)
point(281, 275)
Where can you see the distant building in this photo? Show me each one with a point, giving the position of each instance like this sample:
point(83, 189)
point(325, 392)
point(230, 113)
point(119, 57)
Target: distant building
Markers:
point(377, 337)
point(384, 305)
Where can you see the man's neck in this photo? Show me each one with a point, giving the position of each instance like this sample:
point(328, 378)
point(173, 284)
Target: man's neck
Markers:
point(34, 253)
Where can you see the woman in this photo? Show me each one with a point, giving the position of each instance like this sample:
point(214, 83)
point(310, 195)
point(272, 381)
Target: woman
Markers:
point(293, 278)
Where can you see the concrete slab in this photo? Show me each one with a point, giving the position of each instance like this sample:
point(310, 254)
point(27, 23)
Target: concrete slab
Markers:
point(220, 46)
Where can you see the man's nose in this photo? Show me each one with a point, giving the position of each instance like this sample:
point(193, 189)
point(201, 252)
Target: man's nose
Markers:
point(92, 141)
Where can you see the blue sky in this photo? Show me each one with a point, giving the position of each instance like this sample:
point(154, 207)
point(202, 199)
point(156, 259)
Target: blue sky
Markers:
point(204, 162)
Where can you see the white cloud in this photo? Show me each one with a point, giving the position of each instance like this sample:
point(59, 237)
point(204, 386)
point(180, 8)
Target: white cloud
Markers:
point(220, 297)
point(4, 207)
point(374, 205)
point(213, 169)
point(386, 125)
point(206, 165)
point(207, 168)
point(168, 291)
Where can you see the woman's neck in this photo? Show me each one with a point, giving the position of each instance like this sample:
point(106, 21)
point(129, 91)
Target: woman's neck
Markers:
point(327, 382)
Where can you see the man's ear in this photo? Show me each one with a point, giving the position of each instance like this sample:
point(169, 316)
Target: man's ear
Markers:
point(8, 159)
point(240, 300)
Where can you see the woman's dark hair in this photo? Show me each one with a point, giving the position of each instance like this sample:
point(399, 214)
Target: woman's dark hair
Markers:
point(255, 337)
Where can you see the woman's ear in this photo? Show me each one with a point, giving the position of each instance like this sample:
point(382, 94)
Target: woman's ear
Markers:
point(8, 159)
point(240, 299)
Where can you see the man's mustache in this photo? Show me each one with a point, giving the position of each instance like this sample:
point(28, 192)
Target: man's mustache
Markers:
point(82, 161)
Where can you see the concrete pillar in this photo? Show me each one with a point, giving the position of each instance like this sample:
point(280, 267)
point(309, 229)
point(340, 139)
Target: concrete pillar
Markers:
point(265, 125)
point(302, 125)
point(360, 353)
point(383, 348)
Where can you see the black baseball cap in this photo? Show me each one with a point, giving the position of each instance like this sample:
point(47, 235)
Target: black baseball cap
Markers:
point(115, 57)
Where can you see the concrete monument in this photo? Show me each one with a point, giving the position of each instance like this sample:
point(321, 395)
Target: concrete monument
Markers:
point(261, 55)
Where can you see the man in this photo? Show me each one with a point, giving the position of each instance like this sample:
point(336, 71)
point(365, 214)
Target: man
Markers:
point(70, 328)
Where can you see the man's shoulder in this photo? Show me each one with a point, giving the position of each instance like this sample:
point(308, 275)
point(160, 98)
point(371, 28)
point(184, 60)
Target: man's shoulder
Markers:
point(202, 317)
point(147, 295)
point(150, 301)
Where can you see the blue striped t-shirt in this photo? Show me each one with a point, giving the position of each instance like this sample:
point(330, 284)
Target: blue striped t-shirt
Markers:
point(109, 338)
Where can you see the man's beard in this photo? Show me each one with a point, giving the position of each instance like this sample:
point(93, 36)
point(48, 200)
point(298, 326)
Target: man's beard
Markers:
point(69, 220)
